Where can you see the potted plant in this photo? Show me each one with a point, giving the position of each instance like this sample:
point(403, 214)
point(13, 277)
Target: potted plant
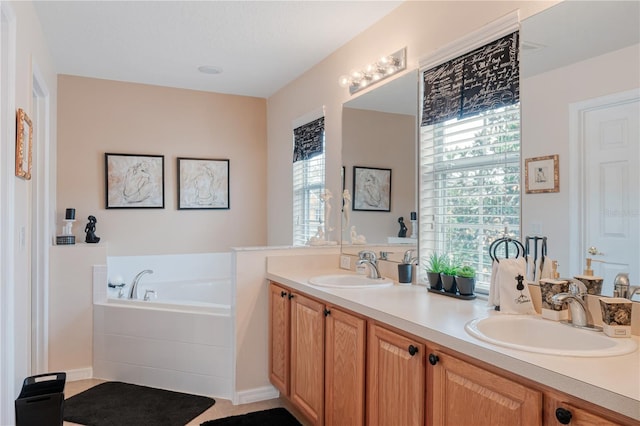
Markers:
point(448, 276)
point(466, 280)
point(435, 264)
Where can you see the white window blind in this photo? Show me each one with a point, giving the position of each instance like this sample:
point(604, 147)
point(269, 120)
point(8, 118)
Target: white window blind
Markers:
point(308, 210)
point(470, 186)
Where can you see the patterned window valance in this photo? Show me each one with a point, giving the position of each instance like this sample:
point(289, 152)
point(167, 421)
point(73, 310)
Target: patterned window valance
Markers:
point(486, 78)
point(308, 140)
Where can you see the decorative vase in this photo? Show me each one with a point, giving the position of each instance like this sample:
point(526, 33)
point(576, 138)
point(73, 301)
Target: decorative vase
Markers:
point(448, 283)
point(435, 282)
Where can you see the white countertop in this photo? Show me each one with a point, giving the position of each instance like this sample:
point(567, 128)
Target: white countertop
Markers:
point(611, 382)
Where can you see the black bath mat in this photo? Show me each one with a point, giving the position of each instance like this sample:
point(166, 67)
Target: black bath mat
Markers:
point(124, 404)
point(273, 417)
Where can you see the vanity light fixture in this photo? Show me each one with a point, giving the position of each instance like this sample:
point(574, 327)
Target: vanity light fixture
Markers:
point(374, 72)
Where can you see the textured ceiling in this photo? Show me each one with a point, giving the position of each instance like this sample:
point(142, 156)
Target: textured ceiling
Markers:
point(260, 45)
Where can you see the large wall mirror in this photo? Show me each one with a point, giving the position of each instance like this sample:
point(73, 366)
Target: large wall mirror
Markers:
point(584, 49)
point(379, 131)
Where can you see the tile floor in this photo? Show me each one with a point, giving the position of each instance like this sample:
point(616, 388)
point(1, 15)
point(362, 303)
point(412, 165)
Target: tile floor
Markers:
point(222, 407)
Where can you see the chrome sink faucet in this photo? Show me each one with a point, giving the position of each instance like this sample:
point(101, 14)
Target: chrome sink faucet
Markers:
point(580, 316)
point(133, 292)
point(367, 257)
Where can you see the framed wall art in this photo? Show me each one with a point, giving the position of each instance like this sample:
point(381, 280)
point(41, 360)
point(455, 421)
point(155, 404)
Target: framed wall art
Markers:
point(371, 189)
point(203, 184)
point(541, 174)
point(134, 181)
point(24, 144)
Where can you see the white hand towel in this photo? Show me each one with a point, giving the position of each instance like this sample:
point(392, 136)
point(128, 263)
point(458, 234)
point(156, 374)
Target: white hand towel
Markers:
point(547, 269)
point(494, 293)
point(512, 299)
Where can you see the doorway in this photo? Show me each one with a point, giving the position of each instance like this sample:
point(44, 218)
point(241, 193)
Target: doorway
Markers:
point(606, 161)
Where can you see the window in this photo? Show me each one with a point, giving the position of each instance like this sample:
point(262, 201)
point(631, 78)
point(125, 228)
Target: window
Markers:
point(308, 181)
point(470, 155)
point(470, 186)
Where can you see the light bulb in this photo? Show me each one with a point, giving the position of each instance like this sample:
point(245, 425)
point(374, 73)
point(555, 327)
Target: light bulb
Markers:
point(344, 81)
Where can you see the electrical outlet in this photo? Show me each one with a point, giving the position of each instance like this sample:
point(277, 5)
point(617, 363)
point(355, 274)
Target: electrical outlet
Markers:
point(345, 262)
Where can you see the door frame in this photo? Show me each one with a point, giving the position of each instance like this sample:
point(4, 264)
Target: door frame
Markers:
point(41, 218)
point(577, 172)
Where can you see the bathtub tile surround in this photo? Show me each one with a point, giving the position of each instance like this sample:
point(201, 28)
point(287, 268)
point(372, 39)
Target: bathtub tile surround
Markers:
point(181, 341)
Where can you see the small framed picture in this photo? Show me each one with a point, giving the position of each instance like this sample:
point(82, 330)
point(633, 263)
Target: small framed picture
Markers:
point(371, 189)
point(134, 181)
point(203, 184)
point(541, 174)
point(24, 144)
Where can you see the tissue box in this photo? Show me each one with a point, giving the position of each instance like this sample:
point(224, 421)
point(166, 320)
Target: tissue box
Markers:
point(548, 289)
point(616, 316)
point(593, 284)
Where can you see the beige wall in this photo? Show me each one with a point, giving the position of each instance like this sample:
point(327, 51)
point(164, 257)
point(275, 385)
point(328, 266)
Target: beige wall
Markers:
point(422, 26)
point(388, 141)
point(99, 116)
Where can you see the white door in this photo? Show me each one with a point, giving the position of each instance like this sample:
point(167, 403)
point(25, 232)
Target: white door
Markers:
point(611, 194)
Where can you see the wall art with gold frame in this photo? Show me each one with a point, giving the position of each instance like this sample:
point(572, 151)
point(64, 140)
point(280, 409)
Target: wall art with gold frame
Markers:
point(24, 144)
point(541, 174)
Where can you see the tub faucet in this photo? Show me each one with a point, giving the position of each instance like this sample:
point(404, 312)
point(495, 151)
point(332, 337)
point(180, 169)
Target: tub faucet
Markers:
point(133, 292)
point(368, 257)
point(577, 306)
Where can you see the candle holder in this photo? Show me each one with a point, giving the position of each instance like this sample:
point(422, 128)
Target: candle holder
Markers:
point(67, 237)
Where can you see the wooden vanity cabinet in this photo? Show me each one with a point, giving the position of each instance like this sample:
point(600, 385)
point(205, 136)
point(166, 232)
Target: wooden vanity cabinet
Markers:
point(395, 378)
point(344, 368)
point(279, 332)
point(318, 354)
point(461, 393)
point(317, 357)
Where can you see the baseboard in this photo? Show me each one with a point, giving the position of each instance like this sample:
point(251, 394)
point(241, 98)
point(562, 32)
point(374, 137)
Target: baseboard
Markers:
point(79, 374)
point(255, 395)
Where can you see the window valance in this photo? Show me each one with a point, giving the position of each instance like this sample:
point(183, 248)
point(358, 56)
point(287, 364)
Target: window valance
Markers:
point(484, 79)
point(308, 140)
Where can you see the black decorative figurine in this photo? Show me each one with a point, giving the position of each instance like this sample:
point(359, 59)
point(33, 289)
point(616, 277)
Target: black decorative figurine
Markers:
point(90, 229)
point(403, 228)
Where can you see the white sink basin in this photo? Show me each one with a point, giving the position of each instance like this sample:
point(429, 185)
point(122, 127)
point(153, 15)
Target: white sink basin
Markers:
point(534, 334)
point(349, 281)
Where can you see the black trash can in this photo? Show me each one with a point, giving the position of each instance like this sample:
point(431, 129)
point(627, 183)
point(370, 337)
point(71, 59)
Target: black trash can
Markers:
point(41, 400)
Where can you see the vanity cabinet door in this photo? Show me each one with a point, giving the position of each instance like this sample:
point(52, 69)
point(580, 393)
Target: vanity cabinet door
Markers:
point(559, 413)
point(395, 378)
point(307, 357)
point(463, 394)
point(279, 329)
point(344, 368)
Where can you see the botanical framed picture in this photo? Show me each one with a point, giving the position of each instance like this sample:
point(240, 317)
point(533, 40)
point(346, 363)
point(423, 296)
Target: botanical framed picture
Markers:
point(203, 183)
point(541, 174)
point(134, 181)
point(371, 189)
point(24, 144)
